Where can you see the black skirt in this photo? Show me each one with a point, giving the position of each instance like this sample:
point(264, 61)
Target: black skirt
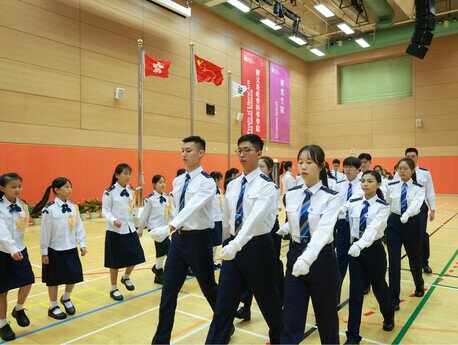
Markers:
point(14, 274)
point(123, 250)
point(216, 234)
point(162, 248)
point(64, 267)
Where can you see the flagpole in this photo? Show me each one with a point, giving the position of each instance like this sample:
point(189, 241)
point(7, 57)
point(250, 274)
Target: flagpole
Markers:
point(229, 122)
point(140, 122)
point(192, 84)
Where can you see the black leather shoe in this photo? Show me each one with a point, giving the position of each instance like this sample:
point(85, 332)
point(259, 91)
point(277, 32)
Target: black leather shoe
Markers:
point(71, 310)
point(128, 287)
point(7, 333)
point(243, 313)
point(116, 298)
point(157, 271)
point(367, 290)
point(158, 279)
point(216, 265)
point(21, 318)
point(349, 342)
point(388, 326)
point(59, 316)
point(419, 292)
point(396, 307)
point(427, 269)
point(232, 331)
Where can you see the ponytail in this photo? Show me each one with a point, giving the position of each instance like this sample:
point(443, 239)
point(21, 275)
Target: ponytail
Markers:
point(414, 176)
point(118, 170)
point(380, 194)
point(324, 177)
point(284, 166)
point(56, 183)
point(5, 178)
point(270, 165)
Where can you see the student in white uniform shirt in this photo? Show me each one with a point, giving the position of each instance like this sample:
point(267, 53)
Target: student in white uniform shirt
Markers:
point(16, 270)
point(299, 179)
point(368, 216)
point(384, 185)
point(249, 259)
point(338, 175)
point(122, 244)
point(192, 198)
point(287, 180)
point(311, 269)
point(332, 181)
point(405, 197)
point(60, 232)
point(156, 213)
point(217, 232)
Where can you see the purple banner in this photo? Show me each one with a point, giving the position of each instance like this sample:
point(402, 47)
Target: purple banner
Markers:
point(279, 104)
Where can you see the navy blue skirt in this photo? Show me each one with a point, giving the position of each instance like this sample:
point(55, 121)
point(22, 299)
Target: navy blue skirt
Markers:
point(216, 234)
point(64, 267)
point(162, 248)
point(123, 250)
point(14, 274)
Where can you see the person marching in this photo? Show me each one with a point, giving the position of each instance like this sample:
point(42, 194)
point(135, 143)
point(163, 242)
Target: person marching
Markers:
point(405, 197)
point(311, 269)
point(155, 214)
point(60, 232)
point(16, 270)
point(217, 209)
point(368, 217)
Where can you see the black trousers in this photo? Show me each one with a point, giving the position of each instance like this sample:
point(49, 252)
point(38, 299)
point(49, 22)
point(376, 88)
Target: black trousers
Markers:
point(194, 251)
point(370, 264)
point(425, 251)
point(322, 284)
point(254, 266)
point(411, 236)
point(342, 243)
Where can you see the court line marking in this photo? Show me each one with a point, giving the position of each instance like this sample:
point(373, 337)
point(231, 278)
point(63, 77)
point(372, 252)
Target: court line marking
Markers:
point(433, 284)
point(422, 303)
point(191, 332)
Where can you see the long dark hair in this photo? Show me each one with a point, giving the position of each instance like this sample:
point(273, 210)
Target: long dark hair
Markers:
point(411, 165)
point(328, 170)
point(378, 177)
point(270, 164)
point(5, 178)
point(316, 154)
point(157, 178)
point(285, 165)
point(119, 169)
point(56, 183)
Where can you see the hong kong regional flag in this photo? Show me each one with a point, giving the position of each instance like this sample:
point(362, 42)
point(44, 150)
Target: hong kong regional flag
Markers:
point(156, 67)
point(208, 71)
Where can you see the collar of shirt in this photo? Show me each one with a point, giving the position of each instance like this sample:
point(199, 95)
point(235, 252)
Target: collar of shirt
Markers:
point(194, 173)
point(121, 188)
point(59, 202)
point(355, 181)
point(157, 194)
point(371, 200)
point(315, 188)
point(251, 176)
point(409, 183)
point(288, 172)
point(7, 203)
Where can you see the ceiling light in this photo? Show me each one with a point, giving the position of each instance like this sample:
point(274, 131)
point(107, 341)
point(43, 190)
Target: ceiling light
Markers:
point(362, 42)
point(241, 6)
point(271, 24)
point(324, 10)
point(317, 52)
point(345, 28)
point(298, 40)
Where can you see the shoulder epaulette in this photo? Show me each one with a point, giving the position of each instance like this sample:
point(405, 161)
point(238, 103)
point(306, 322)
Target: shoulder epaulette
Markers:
point(109, 189)
point(45, 208)
point(276, 187)
point(417, 184)
point(423, 169)
point(357, 199)
point(296, 187)
point(205, 174)
point(392, 183)
point(52, 202)
point(380, 201)
point(149, 196)
point(329, 190)
point(341, 181)
point(130, 187)
point(264, 177)
point(332, 177)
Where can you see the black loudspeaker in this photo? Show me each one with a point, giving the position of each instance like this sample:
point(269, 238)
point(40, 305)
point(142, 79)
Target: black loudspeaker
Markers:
point(417, 50)
point(422, 37)
point(210, 109)
point(423, 7)
point(426, 22)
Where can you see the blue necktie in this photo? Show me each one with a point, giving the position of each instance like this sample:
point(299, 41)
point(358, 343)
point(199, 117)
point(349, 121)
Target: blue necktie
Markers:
point(162, 199)
point(65, 208)
point(335, 175)
point(350, 191)
point(14, 208)
point(363, 218)
point(239, 209)
point(404, 198)
point(183, 192)
point(125, 193)
point(304, 219)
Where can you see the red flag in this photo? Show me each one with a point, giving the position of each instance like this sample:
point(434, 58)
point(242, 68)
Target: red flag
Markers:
point(156, 67)
point(207, 71)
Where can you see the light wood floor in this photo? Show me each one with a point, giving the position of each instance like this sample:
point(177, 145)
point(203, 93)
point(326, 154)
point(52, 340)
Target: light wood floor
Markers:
point(99, 320)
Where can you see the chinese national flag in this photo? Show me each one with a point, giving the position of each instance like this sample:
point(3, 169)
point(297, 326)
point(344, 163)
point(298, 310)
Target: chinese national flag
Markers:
point(207, 71)
point(156, 67)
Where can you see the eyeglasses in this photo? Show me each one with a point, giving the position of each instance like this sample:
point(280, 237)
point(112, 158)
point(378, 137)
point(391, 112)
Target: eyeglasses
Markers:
point(244, 152)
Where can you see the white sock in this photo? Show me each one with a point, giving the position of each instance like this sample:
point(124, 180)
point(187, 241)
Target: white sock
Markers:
point(66, 296)
point(116, 293)
point(68, 304)
point(53, 304)
point(160, 262)
point(126, 276)
point(3, 323)
point(19, 307)
point(114, 287)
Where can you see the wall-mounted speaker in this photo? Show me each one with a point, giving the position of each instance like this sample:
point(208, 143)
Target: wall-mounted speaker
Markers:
point(425, 11)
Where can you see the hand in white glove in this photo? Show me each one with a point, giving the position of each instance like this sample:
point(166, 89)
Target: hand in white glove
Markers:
point(342, 212)
point(284, 230)
point(160, 234)
point(404, 218)
point(301, 267)
point(354, 250)
point(229, 251)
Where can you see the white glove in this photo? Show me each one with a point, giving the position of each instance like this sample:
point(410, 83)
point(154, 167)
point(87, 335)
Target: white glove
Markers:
point(342, 212)
point(301, 267)
point(284, 230)
point(160, 234)
point(404, 218)
point(354, 250)
point(229, 251)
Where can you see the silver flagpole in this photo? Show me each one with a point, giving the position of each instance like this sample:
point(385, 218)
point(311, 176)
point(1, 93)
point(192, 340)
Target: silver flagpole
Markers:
point(229, 122)
point(192, 84)
point(140, 123)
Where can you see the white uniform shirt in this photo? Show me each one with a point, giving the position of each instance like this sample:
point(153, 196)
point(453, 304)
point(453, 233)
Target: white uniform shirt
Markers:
point(322, 216)
point(259, 207)
point(342, 189)
point(217, 206)
point(61, 231)
point(197, 211)
point(12, 226)
point(376, 219)
point(117, 207)
point(415, 197)
point(424, 178)
point(288, 181)
point(155, 213)
point(299, 180)
point(339, 176)
point(332, 183)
